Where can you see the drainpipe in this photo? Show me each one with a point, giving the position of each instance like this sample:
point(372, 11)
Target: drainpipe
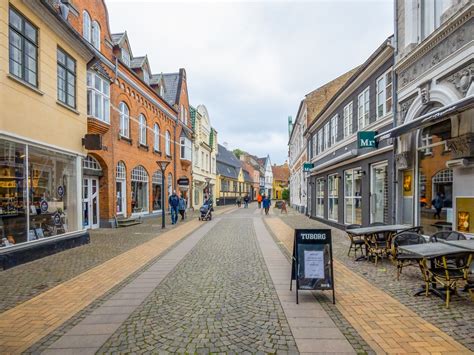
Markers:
point(395, 113)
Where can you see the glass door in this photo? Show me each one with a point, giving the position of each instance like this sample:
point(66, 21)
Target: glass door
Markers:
point(121, 198)
point(379, 193)
point(90, 202)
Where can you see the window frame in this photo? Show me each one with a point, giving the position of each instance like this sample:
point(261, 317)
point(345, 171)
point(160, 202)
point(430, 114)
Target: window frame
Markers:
point(126, 59)
point(168, 143)
point(156, 137)
point(351, 194)
point(327, 129)
point(96, 42)
point(86, 31)
point(363, 108)
point(142, 127)
point(333, 129)
point(68, 71)
point(320, 195)
point(124, 130)
point(383, 94)
point(333, 195)
point(93, 94)
point(23, 37)
point(348, 119)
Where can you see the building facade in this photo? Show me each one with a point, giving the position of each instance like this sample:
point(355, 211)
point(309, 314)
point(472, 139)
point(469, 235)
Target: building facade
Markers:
point(266, 177)
point(204, 155)
point(297, 158)
point(229, 177)
point(43, 70)
point(349, 170)
point(435, 116)
point(281, 180)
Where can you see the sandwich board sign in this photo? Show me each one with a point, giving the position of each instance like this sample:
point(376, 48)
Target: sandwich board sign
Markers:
point(312, 262)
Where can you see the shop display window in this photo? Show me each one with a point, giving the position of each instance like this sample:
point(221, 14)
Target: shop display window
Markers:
point(139, 190)
point(38, 190)
point(156, 188)
point(353, 196)
point(320, 197)
point(333, 200)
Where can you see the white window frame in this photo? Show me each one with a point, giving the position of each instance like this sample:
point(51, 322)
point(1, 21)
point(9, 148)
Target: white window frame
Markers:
point(383, 95)
point(363, 109)
point(142, 129)
point(334, 130)
point(86, 26)
point(98, 90)
point(348, 119)
point(320, 197)
point(333, 195)
point(156, 135)
point(125, 56)
point(351, 195)
point(320, 141)
point(124, 119)
point(167, 143)
point(185, 145)
point(96, 35)
point(326, 134)
point(146, 77)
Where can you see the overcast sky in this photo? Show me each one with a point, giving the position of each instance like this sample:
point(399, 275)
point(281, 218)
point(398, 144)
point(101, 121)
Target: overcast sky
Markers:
point(251, 63)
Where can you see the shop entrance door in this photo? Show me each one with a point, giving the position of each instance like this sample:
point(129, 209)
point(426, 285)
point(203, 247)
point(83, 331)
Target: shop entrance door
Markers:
point(121, 198)
point(90, 202)
point(378, 193)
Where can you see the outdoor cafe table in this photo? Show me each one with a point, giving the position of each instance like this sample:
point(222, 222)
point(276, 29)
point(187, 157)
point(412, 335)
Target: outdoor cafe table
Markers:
point(467, 244)
point(430, 251)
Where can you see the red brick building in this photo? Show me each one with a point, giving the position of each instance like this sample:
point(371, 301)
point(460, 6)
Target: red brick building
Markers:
point(138, 126)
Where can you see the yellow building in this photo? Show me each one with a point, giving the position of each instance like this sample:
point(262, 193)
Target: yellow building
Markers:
point(281, 177)
point(43, 97)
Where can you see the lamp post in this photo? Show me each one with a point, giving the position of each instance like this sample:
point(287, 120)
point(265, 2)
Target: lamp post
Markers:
point(162, 164)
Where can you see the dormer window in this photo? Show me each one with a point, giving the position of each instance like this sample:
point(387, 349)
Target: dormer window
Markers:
point(162, 91)
point(125, 57)
point(146, 77)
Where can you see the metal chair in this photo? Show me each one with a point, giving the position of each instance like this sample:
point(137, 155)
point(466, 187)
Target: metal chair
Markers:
point(447, 235)
point(404, 259)
point(356, 241)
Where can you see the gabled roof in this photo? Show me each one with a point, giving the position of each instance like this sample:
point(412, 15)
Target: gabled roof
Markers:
point(121, 40)
point(137, 62)
point(117, 37)
point(155, 79)
point(227, 157)
point(171, 83)
point(227, 170)
point(281, 172)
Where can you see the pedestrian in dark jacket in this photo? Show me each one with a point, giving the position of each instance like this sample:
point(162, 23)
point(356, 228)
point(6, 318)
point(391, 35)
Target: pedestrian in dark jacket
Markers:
point(246, 201)
point(182, 207)
point(438, 203)
point(173, 201)
point(266, 204)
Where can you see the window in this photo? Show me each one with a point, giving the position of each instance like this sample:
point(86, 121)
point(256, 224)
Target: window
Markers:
point(146, 77)
point(320, 141)
point(124, 120)
point(91, 163)
point(167, 143)
point(96, 35)
point(334, 130)
point(431, 11)
point(98, 97)
point(314, 146)
point(320, 198)
point(363, 109)
point(121, 173)
point(23, 47)
point(352, 196)
point(185, 148)
point(86, 26)
point(156, 140)
point(384, 94)
point(181, 113)
point(185, 116)
point(125, 57)
point(333, 197)
point(66, 79)
point(426, 141)
point(326, 135)
point(162, 91)
point(156, 187)
point(142, 129)
point(348, 120)
point(139, 190)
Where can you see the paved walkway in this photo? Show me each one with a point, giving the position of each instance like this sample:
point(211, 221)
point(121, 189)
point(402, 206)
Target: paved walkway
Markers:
point(385, 324)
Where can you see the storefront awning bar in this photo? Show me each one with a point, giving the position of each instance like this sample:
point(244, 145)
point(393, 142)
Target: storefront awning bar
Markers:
point(428, 119)
point(349, 154)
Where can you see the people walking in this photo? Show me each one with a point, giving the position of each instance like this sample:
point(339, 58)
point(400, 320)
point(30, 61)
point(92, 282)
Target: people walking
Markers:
point(266, 204)
point(173, 201)
point(182, 207)
point(438, 203)
point(259, 200)
point(246, 201)
point(239, 202)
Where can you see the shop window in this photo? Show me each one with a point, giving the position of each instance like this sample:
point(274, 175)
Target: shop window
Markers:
point(142, 129)
point(348, 120)
point(156, 140)
point(352, 196)
point(320, 198)
point(139, 190)
point(23, 48)
point(157, 188)
point(120, 185)
point(333, 197)
point(363, 101)
point(98, 97)
point(124, 120)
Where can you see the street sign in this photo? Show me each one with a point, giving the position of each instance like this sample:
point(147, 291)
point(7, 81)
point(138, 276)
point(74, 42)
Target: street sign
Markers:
point(184, 181)
point(312, 265)
point(366, 139)
point(307, 167)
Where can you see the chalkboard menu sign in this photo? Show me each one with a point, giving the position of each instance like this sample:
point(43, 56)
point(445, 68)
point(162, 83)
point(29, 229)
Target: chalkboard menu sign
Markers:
point(312, 266)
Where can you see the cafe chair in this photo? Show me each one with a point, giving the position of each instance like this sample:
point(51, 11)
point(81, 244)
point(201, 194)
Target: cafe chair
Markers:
point(404, 259)
point(448, 274)
point(417, 229)
point(447, 235)
point(356, 241)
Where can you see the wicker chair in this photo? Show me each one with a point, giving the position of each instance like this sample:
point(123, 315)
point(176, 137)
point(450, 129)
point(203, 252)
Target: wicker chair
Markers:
point(404, 259)
point(448, 274)
point(356, 241)
point(378, 244)
point(447, 235)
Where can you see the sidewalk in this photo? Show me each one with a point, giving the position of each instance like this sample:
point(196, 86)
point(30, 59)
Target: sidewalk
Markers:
point(384, 323)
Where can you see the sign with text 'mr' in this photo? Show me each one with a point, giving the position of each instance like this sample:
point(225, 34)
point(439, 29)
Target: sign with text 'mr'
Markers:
point(366, 139)
point(307, 167)
point(312, 266)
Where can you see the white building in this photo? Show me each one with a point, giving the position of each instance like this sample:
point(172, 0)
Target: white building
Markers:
point(267, 185)
point(297, 158)
point(204, 155)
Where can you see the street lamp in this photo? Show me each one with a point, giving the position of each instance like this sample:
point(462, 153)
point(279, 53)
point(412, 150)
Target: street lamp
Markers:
point(162, 164)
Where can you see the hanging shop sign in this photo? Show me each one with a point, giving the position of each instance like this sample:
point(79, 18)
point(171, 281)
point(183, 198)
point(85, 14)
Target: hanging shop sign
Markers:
point(312, 262)
point(184, 181)
point(307, 167)
point(366, 139)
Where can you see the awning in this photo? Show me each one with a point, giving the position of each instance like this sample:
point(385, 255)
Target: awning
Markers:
point(429, 118)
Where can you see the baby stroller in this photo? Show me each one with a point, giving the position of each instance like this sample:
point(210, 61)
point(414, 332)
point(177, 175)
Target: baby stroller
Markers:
point(206, 212)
